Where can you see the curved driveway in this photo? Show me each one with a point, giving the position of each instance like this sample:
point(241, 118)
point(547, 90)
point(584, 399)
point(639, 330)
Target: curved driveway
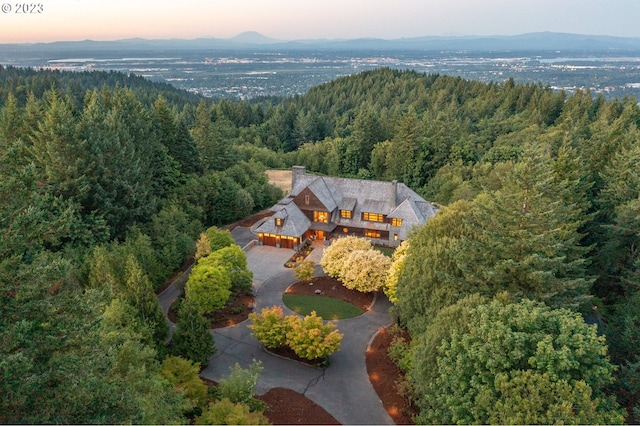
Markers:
point(343, 389)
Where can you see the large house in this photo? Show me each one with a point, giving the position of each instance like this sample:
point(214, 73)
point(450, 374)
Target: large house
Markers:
point(322, 207)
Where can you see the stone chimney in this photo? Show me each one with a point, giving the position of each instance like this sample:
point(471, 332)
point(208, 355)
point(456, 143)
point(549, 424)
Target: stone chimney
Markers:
point(394, 193)
point(297, 172)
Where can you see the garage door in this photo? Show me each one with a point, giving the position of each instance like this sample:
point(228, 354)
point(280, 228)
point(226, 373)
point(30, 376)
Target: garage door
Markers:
point(287, 243)
point(269, 240)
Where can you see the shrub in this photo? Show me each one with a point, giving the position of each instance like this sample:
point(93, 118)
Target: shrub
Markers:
point(240, 385)
point(268, 327)
point(184, 375)
point(304, 270)
point(308, 337)
point(225, 412)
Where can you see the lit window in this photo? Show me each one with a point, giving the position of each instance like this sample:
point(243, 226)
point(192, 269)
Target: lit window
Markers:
point(371, 233)
point(345, 230)
point(373, 217)
point(345, 214)
point(396, 221)
point(395, 237)
point(279, 221)
point(320, 217)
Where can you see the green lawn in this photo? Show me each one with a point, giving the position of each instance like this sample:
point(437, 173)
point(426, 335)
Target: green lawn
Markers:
point(326, 307)
point(387, 251)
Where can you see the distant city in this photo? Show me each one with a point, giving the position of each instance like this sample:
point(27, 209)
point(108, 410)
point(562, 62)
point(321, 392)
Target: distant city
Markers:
point(258, 69)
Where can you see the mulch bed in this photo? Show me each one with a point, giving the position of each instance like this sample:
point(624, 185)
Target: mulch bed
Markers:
point(385, 375)
point(234, 313)
point(287, 407)
point(287, 352)
point(331, 287)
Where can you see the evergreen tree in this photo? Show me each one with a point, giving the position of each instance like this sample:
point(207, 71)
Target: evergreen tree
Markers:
point(58, 152)
point(10, 122)
point(192, 339)
point(525, 239)
point(429, 279)
point(174, 136)
point(139, 292)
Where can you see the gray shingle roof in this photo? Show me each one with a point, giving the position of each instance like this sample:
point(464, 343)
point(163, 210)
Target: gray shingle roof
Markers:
point(295, 223)
point(395, 200)
point(347, 203)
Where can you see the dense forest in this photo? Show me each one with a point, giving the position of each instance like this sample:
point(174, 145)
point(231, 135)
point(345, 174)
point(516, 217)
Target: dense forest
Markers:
point(107, 180)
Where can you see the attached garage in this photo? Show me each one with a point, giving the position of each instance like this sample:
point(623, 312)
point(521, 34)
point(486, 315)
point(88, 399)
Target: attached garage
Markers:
point(281, 241)
point(267, 239)
point(285, 229)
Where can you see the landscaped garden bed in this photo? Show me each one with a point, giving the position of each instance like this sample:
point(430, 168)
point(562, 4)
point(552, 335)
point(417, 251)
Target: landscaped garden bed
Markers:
point(299, 256)
point(331, 287)
point(235, 311)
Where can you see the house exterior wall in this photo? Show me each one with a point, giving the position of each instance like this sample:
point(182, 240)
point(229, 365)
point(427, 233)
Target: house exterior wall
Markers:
point(314, 203)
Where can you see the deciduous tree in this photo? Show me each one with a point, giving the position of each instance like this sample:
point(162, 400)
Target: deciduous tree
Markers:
point(208, 287)
point(185, 376)
point(483, 360)
point(365, 270)
point(310, 338)
point(334, 256)
point(304, 270)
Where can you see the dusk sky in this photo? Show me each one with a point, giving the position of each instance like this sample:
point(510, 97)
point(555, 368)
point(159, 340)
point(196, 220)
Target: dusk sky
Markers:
point(303, 19)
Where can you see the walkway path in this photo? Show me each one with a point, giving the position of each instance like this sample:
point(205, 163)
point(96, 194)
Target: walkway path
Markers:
point(343, 389)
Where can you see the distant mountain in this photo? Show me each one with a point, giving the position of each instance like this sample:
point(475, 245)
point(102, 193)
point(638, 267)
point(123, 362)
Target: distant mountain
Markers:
point(252, 37)
point(544, 41)
point(532, 41)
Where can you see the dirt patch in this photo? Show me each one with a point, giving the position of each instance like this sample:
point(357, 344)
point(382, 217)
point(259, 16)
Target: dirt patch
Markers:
point(331, 287)
point(280, 178)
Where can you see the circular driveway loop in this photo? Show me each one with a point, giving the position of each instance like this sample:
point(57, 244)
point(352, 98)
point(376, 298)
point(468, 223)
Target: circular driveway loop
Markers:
point(343, 389)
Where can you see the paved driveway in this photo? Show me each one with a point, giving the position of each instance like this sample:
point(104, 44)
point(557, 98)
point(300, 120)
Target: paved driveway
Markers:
point(243, 235)
point(343, 389)
point(265, 262)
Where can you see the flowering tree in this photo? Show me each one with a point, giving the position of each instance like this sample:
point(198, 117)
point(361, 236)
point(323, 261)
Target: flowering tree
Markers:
point(334, 256)
point(365, 270)
point(356, 264)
